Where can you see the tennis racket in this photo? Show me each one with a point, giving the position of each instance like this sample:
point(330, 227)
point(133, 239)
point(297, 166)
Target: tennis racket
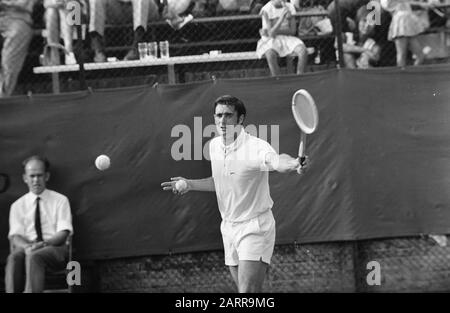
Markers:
point(305, 114)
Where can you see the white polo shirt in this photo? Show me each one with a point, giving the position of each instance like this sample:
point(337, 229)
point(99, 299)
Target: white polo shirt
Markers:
point(241, 177)
point(55, 215)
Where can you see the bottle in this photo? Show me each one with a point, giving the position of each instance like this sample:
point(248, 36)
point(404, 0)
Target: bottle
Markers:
point(317, 58)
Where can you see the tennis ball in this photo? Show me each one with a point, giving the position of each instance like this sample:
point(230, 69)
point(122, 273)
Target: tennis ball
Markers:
point(102, 162)
point(180, 185)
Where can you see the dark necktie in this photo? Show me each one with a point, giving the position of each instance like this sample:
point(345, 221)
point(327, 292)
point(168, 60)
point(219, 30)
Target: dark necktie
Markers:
point(37, 221)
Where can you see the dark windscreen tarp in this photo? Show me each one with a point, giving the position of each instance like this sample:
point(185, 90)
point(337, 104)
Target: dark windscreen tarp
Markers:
point(380, 158)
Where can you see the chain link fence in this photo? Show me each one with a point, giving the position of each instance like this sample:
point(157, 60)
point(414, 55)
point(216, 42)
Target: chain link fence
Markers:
point(409, 264)
point(120, 41)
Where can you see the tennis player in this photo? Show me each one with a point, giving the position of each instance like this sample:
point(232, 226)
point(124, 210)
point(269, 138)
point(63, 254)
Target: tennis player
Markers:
point(240, 177)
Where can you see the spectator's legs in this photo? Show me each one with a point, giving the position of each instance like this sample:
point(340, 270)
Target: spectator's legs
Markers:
point(302, 54)
point(141, 11)
point(15, 271)
point(38, 261)
point(416, 48)
point(401, 46)
point(97, 16)
point(97, 19)
point(349, 60)
point(272, 61)
point(17, 35)
point(52, 28)
point(66, 31)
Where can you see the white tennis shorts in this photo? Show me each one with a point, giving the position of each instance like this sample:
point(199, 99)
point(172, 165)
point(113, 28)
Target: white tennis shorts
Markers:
point(251, 240)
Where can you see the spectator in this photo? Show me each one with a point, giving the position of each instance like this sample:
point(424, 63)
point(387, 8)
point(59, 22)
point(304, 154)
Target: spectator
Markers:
point(366, 52)
point(312, 25)
point(278, 36)
point(116, 12)
point(39, 225)
point(404, 28)
point(55, 22)
point(16, 29)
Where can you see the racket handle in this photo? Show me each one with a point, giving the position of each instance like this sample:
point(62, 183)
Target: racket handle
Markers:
point(302, 145)
point(302, 161)
point(301, 151)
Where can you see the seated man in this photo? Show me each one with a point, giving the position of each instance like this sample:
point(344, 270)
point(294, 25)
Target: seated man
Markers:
point(40, 223)
point(116, 12)
point(278, 36)
point(16, 29)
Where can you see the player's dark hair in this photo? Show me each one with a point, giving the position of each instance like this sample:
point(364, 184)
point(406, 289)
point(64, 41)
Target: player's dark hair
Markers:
point(231, 101)
point(42, 159)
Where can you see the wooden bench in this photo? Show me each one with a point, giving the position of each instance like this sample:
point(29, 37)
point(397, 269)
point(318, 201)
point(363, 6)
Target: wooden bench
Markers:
point(168, 62)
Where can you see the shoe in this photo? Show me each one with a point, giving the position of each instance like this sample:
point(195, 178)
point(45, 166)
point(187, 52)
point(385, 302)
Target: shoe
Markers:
point(186, 20)
point(131, 55)
point(178, 23)
point(70, 59)
point(99, 57)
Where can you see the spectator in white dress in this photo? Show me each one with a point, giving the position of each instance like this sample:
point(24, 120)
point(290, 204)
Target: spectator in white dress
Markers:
point(278, 36)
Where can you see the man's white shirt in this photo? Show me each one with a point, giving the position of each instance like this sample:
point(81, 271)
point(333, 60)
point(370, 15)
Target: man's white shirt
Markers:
point(241, 177)
point(55, 215)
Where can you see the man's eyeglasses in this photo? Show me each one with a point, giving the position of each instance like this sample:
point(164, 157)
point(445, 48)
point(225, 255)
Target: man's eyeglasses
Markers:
point(226, 115)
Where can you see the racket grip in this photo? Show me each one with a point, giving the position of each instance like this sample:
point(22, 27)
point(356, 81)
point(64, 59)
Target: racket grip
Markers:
point(302, 161)
point(302, 145)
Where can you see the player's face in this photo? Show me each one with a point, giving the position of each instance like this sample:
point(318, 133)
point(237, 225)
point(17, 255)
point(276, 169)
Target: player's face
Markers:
point(35, 176)
point(226, 119)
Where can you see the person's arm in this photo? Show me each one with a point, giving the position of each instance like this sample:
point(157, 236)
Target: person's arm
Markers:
point(374, 54)
point(57, 240)
point(16, 232)
point(20, 241)
point(205, 184)
point(348, 48)
point(274, 29)
point(292, 24)
point(284, 163)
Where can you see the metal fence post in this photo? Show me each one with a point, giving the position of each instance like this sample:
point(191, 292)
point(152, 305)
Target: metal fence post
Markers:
point(338, 34)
